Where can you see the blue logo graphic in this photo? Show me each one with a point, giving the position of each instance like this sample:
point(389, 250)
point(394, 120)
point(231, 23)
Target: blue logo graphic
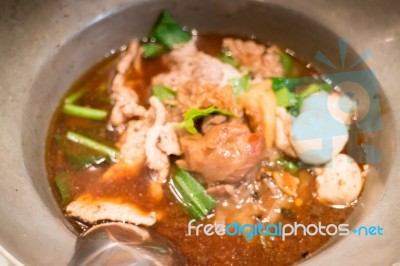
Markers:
point(331, 128)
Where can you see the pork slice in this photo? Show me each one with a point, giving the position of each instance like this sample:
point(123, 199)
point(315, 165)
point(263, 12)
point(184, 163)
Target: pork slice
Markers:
point(126, 104)
point(132, 141)
point(168, 142)
point(194, 95)
point(188, 64)
point(262, 61)
point(122, 92)
point(128, 57)
point(225, 153)
point(161, 141)
point(92, 210)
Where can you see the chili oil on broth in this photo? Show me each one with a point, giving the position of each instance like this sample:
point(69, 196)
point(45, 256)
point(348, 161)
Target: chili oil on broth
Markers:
point(199, 250)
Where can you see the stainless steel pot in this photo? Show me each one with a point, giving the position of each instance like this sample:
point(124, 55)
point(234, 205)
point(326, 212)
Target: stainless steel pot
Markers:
point(46, 45)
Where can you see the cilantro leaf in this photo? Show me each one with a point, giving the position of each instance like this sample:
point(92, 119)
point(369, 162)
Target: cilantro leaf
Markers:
point(240, 85)
point(163, 93)
point(191, 115)
point(227, 58)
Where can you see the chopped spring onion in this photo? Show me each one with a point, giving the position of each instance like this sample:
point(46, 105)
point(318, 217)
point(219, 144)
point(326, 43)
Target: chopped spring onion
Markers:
point(191, 194)
point(63, 188)
point(163, 93)
point(226, 57)
point(288, 165)
point(151, 50)
point(84, 112)
point(240, 85)
point(93, 145)
point(192, 114)
point(74, 97)
point(168, 32)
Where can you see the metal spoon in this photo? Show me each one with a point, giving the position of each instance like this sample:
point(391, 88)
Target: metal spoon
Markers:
point(120, 244)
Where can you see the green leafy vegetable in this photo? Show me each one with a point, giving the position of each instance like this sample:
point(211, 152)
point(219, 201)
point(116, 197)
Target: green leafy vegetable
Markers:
point(63, 188)
point(288, 165)
point(279, 83)
point(226, 57)
point(315, 87)
point(286, 98)
point(112, 153)
point(191, 115)
point(285, 91)
point(168, 32)
point(163, 93)
point(84, 112)
point(191, 194)
point(287, 63)
point(152, 50)
point(74, 96)
point(240, 85)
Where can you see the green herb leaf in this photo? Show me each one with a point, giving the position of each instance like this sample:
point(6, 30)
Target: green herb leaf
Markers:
point(191, 194)
point(315, 87)
point(168, 32)
point(163, 93)
point(227, 58)
point(152, 50)
point(63, 188)
point(240, 85)
point(286, 98)
point(285, 91)
point(278, 83)
point(191, 115)
point(288, 165)
point(287, 64)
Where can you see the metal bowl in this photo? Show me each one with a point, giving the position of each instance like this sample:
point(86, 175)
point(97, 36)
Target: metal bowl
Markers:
point(46, 45)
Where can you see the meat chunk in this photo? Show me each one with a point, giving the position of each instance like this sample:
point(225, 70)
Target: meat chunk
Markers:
point(211, 121)
point(193, 95)
point(188, 64)
point(226, 153)
point(92, 210)
point(200, 80)
point(340, 182)
point(263, 62)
